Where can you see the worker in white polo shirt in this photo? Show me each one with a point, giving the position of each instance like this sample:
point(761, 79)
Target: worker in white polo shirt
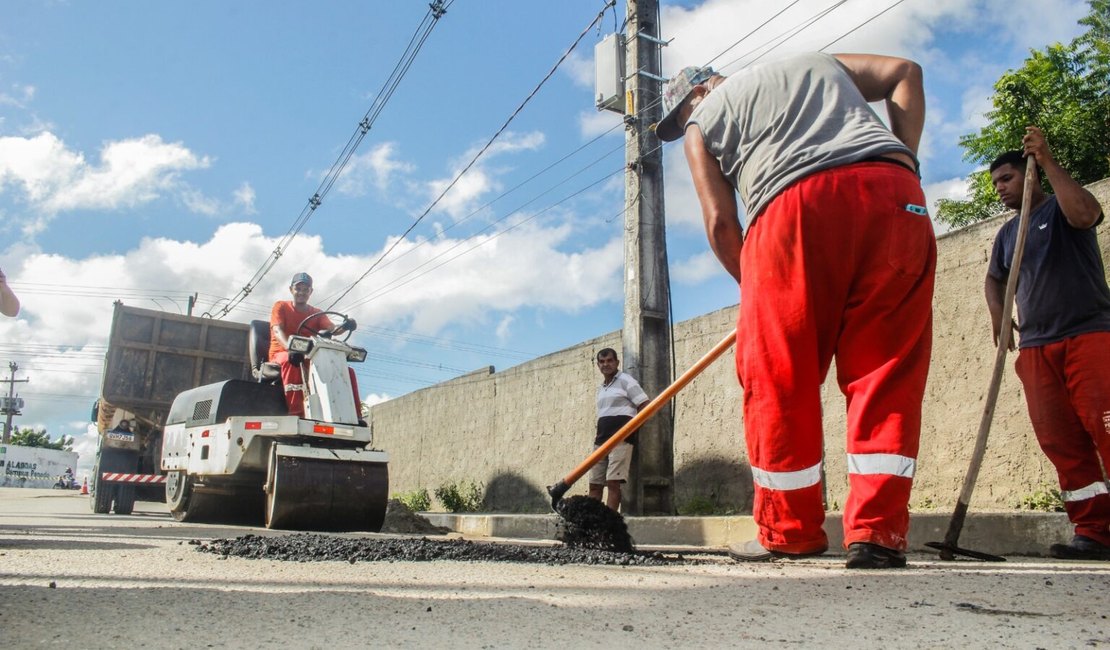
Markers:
point(619, 398)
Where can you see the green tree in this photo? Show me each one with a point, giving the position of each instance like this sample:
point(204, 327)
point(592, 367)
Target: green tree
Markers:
point(1065, 90)
point(39, 438)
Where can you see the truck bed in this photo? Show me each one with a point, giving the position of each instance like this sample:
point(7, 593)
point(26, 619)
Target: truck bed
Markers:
point(153, 356)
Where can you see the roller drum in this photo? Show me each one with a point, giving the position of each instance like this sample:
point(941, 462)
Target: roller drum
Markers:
point(325, 489)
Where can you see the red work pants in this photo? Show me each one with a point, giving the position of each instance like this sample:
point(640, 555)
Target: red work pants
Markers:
point(1067, 388)
point(293, 381)
point(836, 266)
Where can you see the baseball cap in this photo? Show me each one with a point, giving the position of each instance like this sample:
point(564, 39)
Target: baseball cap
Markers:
point(301, 277)
point(674, 93)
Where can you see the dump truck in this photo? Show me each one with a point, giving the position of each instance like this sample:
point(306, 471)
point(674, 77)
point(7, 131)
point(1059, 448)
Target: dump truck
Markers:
point(152, 357)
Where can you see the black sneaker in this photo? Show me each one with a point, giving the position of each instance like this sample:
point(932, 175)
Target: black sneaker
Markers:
point(753, 551)
point(1080, 548)
point(862, 555)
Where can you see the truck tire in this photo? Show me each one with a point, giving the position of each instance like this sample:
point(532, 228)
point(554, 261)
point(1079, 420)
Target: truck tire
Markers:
point(102, 494)
point(125, 499)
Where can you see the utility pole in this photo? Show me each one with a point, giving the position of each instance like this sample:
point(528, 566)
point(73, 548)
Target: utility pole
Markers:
point(11, 404)
point(647, 301)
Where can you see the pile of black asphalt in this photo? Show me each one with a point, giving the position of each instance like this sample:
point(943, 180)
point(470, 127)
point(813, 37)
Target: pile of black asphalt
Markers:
point(313, 547)
point(590, 532)
point(589, 524)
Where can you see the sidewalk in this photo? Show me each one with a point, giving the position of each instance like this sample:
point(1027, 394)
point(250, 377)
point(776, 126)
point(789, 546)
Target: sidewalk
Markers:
point(999, 533)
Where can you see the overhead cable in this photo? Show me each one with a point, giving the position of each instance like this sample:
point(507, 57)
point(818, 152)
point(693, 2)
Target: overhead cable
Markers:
point(478, 155)
point(436, 10)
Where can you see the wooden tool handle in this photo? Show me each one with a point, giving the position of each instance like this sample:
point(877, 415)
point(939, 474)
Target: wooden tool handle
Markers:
point(957, 523)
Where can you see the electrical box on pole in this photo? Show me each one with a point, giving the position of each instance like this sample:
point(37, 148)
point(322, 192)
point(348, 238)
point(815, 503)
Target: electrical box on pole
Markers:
point(609, 74)
point(11, 405)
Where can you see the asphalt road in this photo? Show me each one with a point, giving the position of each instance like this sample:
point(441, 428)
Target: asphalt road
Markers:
point(72, 579)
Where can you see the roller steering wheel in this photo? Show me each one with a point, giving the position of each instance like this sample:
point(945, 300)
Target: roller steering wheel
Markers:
point(348, 325)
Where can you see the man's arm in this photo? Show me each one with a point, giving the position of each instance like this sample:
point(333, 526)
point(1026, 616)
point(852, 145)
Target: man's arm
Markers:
point(9, 304)
point(1079, 206)
point(279, 334)
point(898, 82)
point(718, 203)
point(277, 328)
point(995, 292)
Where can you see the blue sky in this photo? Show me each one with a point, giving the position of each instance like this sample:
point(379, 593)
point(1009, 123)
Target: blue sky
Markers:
point(152, 150)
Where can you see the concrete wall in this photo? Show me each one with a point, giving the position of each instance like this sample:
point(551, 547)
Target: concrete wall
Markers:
point(33, 467)
point(523, 428)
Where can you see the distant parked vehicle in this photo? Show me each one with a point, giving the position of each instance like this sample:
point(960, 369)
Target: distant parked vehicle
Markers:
point(66, 482)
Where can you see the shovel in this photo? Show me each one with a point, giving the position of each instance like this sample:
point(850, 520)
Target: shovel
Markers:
point(558, 490)
point(950, 548)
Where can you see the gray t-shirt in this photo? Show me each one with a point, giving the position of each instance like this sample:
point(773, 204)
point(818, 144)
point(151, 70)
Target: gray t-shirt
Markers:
point(774, 123)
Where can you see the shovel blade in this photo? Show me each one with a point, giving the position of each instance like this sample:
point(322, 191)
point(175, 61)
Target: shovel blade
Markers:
point(949, 551)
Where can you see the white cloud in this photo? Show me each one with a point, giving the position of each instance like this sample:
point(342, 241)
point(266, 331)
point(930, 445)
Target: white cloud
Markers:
point(579, 66)
point(976, 103)
point(680, 198)
point(488, 274)
point(19, 97)
point(131, 172)
point(504, 328)
point(696, 269)
point(244, 199)
point(594, 123)
point(67, 303)
point(84, 443)
point(196, 201)
point(377, 167)
point(480, 180)
point(52, 178)
point(951, 188)
point(372, 399)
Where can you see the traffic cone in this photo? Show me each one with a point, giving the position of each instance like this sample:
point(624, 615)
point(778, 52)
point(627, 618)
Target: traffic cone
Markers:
point(85, 486)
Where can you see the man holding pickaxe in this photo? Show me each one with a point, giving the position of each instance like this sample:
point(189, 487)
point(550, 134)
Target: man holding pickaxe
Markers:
point(1064, 325)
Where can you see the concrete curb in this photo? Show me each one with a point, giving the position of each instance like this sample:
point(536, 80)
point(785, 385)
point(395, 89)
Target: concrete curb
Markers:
point(999, 533)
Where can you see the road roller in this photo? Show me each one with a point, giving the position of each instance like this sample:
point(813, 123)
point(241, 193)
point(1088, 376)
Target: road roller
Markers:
point(232, 452)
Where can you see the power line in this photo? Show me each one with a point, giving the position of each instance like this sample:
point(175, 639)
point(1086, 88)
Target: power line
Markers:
point(436, 11)
point(481, 208)
point(785, 36)
point(401, 279)
point(478, 155)
point(842, 36)
point(745, 36)
point(397, 285)
point(774, 43)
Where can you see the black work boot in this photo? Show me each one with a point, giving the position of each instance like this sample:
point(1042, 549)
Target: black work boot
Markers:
point(1080, 547)
point(862, 555)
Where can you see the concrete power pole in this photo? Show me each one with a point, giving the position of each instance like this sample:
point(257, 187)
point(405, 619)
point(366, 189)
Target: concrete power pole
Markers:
point(647, 301)
point(10, 405)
